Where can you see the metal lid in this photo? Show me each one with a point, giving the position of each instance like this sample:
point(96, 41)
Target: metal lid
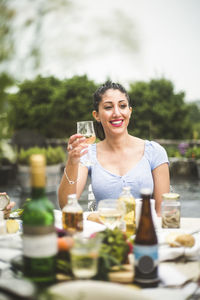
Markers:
point(170, 196)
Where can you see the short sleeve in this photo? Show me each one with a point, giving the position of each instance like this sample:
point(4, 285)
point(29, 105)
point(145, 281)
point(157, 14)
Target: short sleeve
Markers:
point(156, 154)
point(92, 155)
point(83, 161)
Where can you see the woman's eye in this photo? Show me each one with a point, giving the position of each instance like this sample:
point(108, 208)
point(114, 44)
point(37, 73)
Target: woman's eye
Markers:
point(123, 106)
point(108, 107)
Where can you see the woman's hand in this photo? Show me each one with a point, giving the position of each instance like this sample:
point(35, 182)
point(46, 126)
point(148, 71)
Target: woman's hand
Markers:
point(8, 208)
point(76, 148)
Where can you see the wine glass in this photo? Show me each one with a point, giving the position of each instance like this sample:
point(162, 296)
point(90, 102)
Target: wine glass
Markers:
point(111, 212)
point(86, 128)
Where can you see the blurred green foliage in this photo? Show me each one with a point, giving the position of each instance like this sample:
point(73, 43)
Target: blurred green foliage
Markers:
point(51, 106)
point(53, 155)
point(172, 151)
point(193, 152)
point(5, 81)
point(159, 112)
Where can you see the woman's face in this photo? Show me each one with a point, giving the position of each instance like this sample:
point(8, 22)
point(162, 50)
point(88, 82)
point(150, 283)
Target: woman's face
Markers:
point(114, 111)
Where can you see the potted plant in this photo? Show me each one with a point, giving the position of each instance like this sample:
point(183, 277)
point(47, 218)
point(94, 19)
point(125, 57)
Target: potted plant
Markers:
point(55, 156)
point(7, 162)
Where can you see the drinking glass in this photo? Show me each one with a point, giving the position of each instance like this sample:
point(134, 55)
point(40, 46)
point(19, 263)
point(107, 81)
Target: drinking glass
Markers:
point(111, 212)
point(84, 255)
point(86, 128)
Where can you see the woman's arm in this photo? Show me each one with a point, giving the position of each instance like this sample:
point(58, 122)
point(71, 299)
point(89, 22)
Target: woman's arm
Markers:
point(75, 175)
point(161, 180)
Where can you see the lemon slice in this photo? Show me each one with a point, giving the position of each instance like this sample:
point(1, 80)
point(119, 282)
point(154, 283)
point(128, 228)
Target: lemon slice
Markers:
point(12, 226)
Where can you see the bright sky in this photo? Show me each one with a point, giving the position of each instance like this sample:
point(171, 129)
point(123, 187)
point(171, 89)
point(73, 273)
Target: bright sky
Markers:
point(167, 33)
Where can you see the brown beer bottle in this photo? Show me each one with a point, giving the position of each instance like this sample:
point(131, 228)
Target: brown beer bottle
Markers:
point(146, 246)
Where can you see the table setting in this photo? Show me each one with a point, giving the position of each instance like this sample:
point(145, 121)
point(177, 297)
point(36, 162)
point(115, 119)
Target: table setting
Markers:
point(177, 275)
point(179, 267)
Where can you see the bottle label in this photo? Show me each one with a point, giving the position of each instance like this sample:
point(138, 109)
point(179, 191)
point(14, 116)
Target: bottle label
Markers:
point(146, 262)
point(40, 246)
point(38, 230)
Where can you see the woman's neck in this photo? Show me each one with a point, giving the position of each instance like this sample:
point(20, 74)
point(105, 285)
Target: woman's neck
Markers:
point(119, 142)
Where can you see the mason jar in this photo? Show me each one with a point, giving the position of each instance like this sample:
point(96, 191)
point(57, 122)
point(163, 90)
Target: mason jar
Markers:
point(171, 210)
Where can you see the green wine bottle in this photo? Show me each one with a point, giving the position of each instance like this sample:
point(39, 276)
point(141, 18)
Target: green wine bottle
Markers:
point(39, 236)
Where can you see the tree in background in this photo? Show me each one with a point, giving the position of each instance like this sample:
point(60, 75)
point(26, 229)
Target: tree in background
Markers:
point(6, 51)
point(74, 104)
point(51, 106)
point(159, 112)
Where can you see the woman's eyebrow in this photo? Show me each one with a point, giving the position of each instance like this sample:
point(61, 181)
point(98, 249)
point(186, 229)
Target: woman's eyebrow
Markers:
point(110, 102)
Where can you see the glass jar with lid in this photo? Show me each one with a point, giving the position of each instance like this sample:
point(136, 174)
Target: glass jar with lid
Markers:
point(72, 215)
point(171, 210)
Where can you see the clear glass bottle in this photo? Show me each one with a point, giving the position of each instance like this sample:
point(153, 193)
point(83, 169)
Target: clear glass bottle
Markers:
point(2, 223)
point(92, 206)
point(129, 216)
point(39, 236)
point(171, 210)
point(145, 248)
point(72, 215)
point(4, 200)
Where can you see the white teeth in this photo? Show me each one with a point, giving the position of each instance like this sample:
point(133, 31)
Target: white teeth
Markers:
point(116, 122)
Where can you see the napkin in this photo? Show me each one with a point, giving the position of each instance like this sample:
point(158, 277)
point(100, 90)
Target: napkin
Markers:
point(169, 253)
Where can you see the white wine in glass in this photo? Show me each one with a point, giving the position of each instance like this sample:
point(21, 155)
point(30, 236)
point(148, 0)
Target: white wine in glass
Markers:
point(86, 128)
point(111, 212)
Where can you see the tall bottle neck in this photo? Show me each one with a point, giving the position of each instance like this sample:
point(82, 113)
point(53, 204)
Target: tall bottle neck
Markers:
point(38, 176)
point(37, 192)
point(146, 205)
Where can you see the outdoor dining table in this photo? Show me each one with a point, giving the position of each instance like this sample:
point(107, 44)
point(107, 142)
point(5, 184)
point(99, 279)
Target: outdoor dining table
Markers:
point(179, 269)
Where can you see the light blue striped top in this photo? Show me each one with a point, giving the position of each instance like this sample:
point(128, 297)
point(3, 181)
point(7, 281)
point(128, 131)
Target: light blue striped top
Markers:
point(108, 185)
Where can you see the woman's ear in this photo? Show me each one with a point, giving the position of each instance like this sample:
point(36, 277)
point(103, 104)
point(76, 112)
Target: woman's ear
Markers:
point(96, 115)
point(130, 109)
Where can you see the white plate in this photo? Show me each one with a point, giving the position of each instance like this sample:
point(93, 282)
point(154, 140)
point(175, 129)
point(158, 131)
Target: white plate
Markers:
point(98, 290)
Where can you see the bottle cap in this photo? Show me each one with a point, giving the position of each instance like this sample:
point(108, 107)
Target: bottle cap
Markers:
point(126, 188)
point(170, 196)
point(146, 191)
point(71, 196)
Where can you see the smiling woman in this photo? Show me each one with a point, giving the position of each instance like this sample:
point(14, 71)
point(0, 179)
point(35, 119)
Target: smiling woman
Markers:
point(119, 159)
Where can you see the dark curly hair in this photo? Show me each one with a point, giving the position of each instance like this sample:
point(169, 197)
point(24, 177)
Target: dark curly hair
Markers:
point(97, 97)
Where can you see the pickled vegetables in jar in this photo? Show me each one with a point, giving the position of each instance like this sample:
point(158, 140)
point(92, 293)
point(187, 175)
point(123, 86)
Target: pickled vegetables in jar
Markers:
point(171, 210)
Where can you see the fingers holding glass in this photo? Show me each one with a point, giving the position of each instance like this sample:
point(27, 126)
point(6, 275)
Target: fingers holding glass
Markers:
point(76, 147)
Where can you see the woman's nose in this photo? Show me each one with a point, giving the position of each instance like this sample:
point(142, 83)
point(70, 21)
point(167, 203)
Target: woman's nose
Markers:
point(116, 111)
